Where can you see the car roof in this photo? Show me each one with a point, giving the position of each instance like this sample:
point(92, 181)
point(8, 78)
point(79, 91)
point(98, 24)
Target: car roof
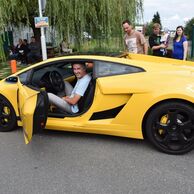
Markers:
point(149, 63)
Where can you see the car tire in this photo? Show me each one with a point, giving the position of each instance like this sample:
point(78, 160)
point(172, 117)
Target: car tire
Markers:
point(170, 127)
point(8, 118)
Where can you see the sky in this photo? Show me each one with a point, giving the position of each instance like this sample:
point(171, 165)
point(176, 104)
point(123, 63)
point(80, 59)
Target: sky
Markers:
point(172, 12)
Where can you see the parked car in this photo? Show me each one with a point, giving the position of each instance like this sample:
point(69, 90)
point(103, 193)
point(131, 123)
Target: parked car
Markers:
point(135, 96)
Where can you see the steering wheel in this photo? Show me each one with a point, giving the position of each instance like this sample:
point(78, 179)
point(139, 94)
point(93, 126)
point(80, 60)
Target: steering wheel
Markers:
point(56, 81)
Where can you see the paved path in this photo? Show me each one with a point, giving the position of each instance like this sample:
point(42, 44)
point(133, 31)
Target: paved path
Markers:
point(75, 163)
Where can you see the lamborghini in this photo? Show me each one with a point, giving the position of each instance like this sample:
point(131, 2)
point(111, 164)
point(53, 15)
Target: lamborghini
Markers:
point(133, 95)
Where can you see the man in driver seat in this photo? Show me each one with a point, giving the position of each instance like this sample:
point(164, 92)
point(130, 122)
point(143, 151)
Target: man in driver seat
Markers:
point(69, 102)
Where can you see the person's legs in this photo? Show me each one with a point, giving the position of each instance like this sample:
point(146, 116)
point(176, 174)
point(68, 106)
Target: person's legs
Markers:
point(68, 88)
point(67, 91)
point(30, 57)
point(59, 102)
point(37, 57)
point(14, 56)
point(24, 59)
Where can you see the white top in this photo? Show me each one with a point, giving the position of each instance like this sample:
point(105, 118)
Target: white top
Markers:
point(80, 89)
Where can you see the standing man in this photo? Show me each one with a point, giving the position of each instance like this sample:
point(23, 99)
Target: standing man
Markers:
point(157, 45)
point(34, 51)
point(134, 41)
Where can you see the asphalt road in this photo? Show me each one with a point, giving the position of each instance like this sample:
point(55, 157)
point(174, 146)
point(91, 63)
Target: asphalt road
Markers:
point(75, 163)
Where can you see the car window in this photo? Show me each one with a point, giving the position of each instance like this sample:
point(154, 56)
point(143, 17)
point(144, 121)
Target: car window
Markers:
point(65, 69)
point(24, 77)
point(41, 74)
point(104, 68)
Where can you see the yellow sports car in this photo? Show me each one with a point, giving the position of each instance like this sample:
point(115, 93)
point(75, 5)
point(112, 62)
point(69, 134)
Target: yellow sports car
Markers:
point(133, 96)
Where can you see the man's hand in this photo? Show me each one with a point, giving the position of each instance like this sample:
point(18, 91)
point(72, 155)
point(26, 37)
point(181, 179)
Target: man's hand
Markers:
point(163, 46)
point(65, 97)
point(72, 100)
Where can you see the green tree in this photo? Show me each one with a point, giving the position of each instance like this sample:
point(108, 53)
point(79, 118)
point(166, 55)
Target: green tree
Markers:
point(188, 28)
point(73, 17)
point(149, 30)
point(19, 12)
point(149, 25)
point(100, 18)
point(156, 18)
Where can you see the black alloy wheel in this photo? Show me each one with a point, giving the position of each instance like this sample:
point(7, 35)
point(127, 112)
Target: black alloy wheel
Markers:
point(170, 127)
point(7, 115)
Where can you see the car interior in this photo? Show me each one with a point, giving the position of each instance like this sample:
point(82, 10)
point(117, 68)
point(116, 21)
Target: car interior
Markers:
point(51, 78)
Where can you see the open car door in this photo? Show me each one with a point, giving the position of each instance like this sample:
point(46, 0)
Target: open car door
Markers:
point(33, 110)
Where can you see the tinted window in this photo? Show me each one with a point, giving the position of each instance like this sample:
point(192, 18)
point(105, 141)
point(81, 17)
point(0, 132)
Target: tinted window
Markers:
point(103, 68)
point(23, 77)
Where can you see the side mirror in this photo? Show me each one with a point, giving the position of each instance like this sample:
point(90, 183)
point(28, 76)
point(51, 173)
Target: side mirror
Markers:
point(12, 79)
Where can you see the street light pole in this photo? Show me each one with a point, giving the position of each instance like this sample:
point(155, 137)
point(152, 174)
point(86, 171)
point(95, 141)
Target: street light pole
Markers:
point(43, 42)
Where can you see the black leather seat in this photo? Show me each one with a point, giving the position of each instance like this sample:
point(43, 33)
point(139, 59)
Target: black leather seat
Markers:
point(85, 101)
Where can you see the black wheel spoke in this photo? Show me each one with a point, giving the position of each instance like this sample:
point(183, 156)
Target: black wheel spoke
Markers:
point(172, 142)
point(4, 122)
point(166, 140)
point(1, 107)
point(6, 116)
point(186, 125)
point(183, 139)
point(172, 116)
point(2, 117)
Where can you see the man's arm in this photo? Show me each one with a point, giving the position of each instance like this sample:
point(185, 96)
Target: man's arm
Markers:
point(153, 46)
point(143, 42)
point(124, 43)
point(145, 48)
point(185, 46)
point(159, 47)
point(74, 100)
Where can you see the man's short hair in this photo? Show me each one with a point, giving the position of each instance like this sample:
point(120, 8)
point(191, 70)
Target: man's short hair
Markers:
point(82, 64)
point(156, 25)
point(127, 21)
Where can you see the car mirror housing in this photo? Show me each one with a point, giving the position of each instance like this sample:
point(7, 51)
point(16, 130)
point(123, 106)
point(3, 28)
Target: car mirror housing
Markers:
point(12, 79)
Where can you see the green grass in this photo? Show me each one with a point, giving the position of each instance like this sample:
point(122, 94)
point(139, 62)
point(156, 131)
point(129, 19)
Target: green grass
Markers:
point(102, 45)
point(5, 69)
